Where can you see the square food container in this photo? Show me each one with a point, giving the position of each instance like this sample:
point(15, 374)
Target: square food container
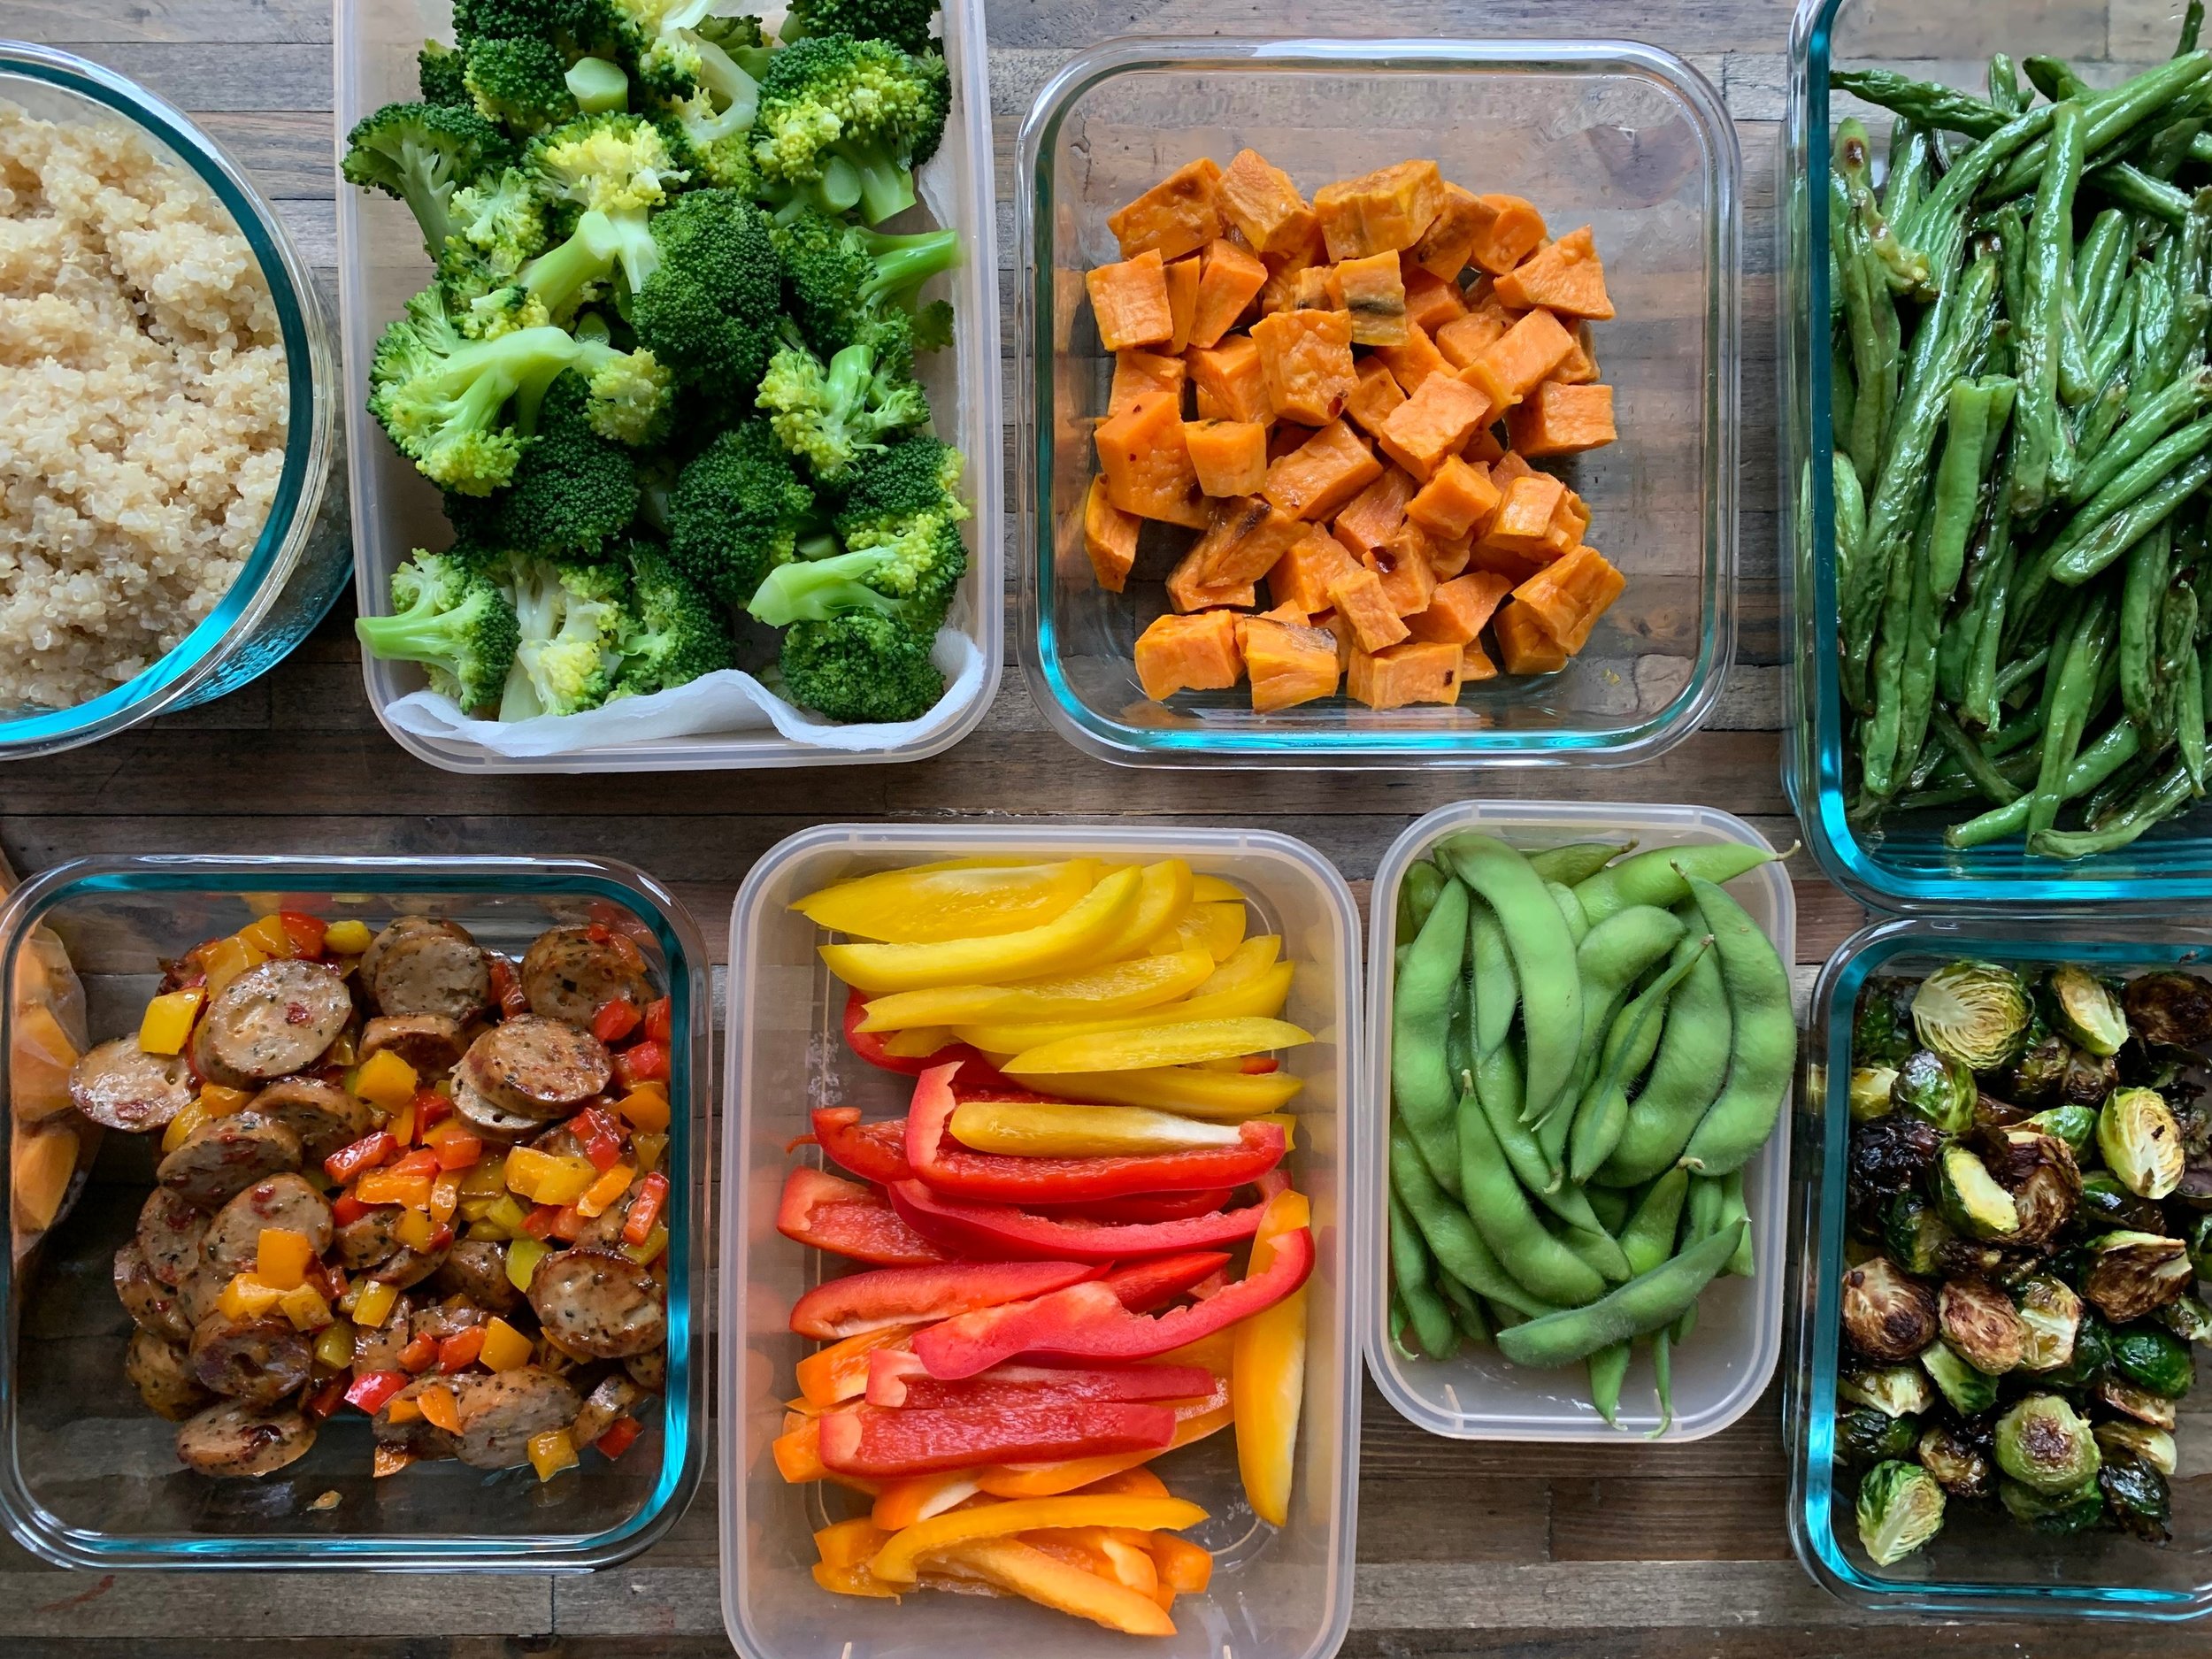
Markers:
point(1277, 1593)
point(1623, 136)
point(1478, 1395)
point(1981, 1562)
point(381, 262)
point(1903, 864)
point(88, 1476)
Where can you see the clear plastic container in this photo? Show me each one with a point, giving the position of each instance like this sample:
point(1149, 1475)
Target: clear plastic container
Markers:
point(88, 1476)
point(1276, 1593)
point(301, 561)
point(1718, 1374)
point(1626, 137)
point(1981, 1562)
point(381, 262)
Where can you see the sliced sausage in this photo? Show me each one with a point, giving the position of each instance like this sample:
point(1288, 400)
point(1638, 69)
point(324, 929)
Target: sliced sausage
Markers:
point(225, 1156)
point(439, 1320)
point(569, 972)
point(369, 1238)
point(169, 1229)
point(286, 1199)
point(161, 1371)
point(488, 1120)
point(541, 1068)
point(418, 1434)
point(477, 1269)
point(398, 929)
point(612, 1399)
point(598, 1304)
point(434, 969)
point(649, 1370)
point(152, 1305)
point(233, 1439)
point(404, 1267)
point(118, 1084)
point(377, 1347)
point(322, 1115)
point(429, 1042)
point(254, 1361)
point(604, 1231)
point(501, 1410)
point(270, 1022)
point(196, 1296)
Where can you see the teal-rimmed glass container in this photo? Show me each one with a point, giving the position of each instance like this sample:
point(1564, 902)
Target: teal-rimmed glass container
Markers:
point(88, 1476)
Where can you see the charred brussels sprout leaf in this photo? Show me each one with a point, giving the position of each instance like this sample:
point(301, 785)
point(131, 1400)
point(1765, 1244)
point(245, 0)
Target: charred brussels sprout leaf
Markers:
point(1971, 1199)
point(2103, 1199)
point(2091, 1357)
point(2050, 1316)
point(2131, 1274)
point(2075, 1125)
point(2135, 1497)
point(2046, 1445)
point(2039, 1171)
point(1917, 1237)
point(1871, 1087)
point(1896, 1391)
point(2187, 1318)
point(2155, 1447)
point(2036, 1077)
point(1969, 1391)
point(2089, 1078)
point(2141, 1141)
point(2200, 1243)
point(1899, 1508)
point(1867, 1435)
point(2063, 1513)
point(2169, 1008)
point(1888, 1156)
point(1974, 1013)
point(1881, 1031)
point(1960, 1466)
point(1887, 1314)
point(2154, 1359)
point(1980, 1324)
point(1937, 1087)
point(2117, 1393)
point(2084, 1009)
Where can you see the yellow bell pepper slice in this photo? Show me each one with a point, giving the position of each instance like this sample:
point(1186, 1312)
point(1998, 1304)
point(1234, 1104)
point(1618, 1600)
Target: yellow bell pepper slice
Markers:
point(1267, 1378)
point(1247, 962)
point(386, 1080)
point(1261, 998)
point(167, 1021)
point(190, 1117)
point(218, 1102)
point(1231, 1097)
point(1044, 1480)
point(267, 935)
point(1035, 1576)
point(546, 1179)
point(1045, 1130)
point(348, 938)
point(1218, 929)
point(374, 1304)
point(1070, 941)
point(414, 1228)
point(646, 1108)
point(916, 1043)
point(335, 1347)
point(304, 1306)
point(1215, 890)
point(382, 1186)
point(282, 1256)
point(1162, 900)
point(504, 1347)
point(523, 1257)
point(550, 1452)
point(897, 1561)
point(228, 958)
point(905, 907)
point(648, 1150)
point(487, 1177)
point(1118, 988)
point(246, 1297)
point(1158, 1046)
point(440, 1408)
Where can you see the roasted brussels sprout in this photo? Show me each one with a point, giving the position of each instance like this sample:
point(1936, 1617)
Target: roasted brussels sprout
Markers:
point(1881, 1031)
point(1974, 1013)
point(1937, 1087)
point(1867, 1435)
point(2050, 1318)
point(2039, 1171)
point(2117, 1393)
point(1916, 1234)
point(2089, 1078)
point(2199, 1237)
point(2187, 1318)
point(1980, 1321)
point(2063, 1513)
point(2131, 1274)
point(1970, 1392)
point(1971, 1199)
point(2036, 1076)
point(2155, 1447)
point(1960, 1465)
point(2141, 1142)
point(2091, 1358)
point(2075, 1125)
point(2046, 1445)
point(1901, 1508)
point(2169, 1008)
point(1887, 1314)
point(2084, 1008)
point(2154, 1358)
point(2135, 1497)
point(1897, 1391)
point(2103, 1199)
point(1888, 1156)
point(1871, 1087)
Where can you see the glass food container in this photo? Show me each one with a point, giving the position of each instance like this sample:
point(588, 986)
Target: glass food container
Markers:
point(1626, 137)
point(88, 1476)
point(1277, 1593)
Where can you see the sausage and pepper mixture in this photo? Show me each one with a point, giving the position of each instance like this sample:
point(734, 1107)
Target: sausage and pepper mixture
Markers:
point(402, 1173)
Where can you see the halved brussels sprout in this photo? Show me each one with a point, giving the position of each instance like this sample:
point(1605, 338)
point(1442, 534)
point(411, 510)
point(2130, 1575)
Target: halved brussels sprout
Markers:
point(1888, 1156)
point(1887, 1314)
point(1867, 1435)
point(1916, 1234)
point(2141, 1141)
point(2154, 1358)
point(1971, 1199)
point(1969, 1391)
point(2137, 1498)
point(2155, 1447)
point(2131, 1274)
point(2046, 1445)
point(1899, 1508)
point(1896, 1390)
point(2063, 1513)
point(2199, 1237)
point(2187, 1318)
point(2036, 1076)
point(2050, 1315)
point(2089, 1078)
point(2117, 1393)
point(1881, 1031)
point(2103, 1199)
point(2084, 1009)
point(1871, 1087)
point(1937, 1087)
point(1976, 1012)
point(2075, 1125)
point(1980, 1321)
point(1960, 1465)
point(2169, 1008)
point(2091, 1358)
point(2039, 1171)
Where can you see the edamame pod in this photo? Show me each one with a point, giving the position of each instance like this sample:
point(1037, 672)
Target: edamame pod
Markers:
point(1644, 1304)
point(1570, 911)
point(1685, 1078)
point(1501, 1215)
point(1609, 1370)
point(1424, 1309)
point(1648, 1237)
point(1497, 1097)
point(1466, 1308)
point(1490, 980)
point(1613, 957)
point(1763, 1050)
point(1600, 1250)
point(1422, 1087)
point(1577, 860)
point(1733, 1208)
point(1449, 1231)
point(1612, 1205)
point(1629, 1047)
point(1416, 896)
point(1659, 877)
point(1543, 956)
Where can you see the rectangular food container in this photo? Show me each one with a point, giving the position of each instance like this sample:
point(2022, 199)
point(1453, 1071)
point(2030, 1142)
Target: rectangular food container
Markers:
point(1981, 1562)
point(87, 1475)
point(1478, 1395)
point(381, 262)
point(1903, 864)
point(1276, 1593)
point(1626, 137)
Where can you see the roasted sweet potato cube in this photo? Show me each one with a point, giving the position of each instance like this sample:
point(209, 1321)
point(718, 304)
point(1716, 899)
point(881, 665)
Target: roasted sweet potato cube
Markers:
point(1508, 467)
point(1457, 500)
point(1511, 367)
point(1307, 357)
point(1300, 579)
point(1475, 664)
point(1524, 514)
point(1566, 276)
point(1242, 543)
point(1431, 302)
point(1375, 294)
point(1147, 469)
point(1461, 609)
point(1110, 537)
point(1230, 456)
point(1286, 663)
point(1372, 517)
point(1144, 375)
point(1446, 244)
point(1258, 198)
point(1580, 367)
point(1560, 420)
point(1524, 645)
point(1129, 301)
point(1366, 609)
point(1187, 592)
point(1570, 594)
point(1232, 385)
point(1516, 568)
point(1437, 420)
point(1194, 653)
point(1448, 554)
point(1182, 301)
point(1380, 211)
point(1510, 232)
point(1409, 579)
point(1283, 270)
point(1466, 338)
point(1284, 437)
point(1415, 672)
point(1572, 516)
point(1318, 289)
point(1484, 447)
point(1414, 361)
point(1228, 276)
point(1323, 474)
point(1178, 215)
point(1375, 395)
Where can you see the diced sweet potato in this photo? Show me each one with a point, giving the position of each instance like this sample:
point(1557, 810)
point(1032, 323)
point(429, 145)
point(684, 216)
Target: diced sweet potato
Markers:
point(1182, 301)
point(1242, 543)
point(1415, 672)
point(1283, 270)
point(1457, 500)
point(1228, 276)
point(1475, 664)
point(1566, 276)
point(1485, 447)
point(1466, 338)
point(1318, 289)
point(1187, 592)
point(1580, 367)
point(1375, 395)
point(1445, 246)
point(1147, 469)
point(1431, 302)
point(1300, 579)
point(1230, 456)
point(1514, 567)
point(1523, 646)
point(1285, 437)
point(1437, 420)
point(1144, 375)
point(1372, 517)
point(1448, 554)
point(1323, 474)
point(1375, 294)
point(1511, 368)
point(1232, 386)
point(1510, 232)
point(1570, 518)
point(1366, 609)
point(1307, 357)
point(1570, 594)
point(1560, 420)
point(1178, 215)
point(1508, 467)
point(1259, 199)
point(1413, 362)
point(1524, 514)
point(1287, 664)
point(1110, 537)
point(1409, 579)
point(1129, 301)
point(1197, 653)
point(1380, 211)
point(1461, 609)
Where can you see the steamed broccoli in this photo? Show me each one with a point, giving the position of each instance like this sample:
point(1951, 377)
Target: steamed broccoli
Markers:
point(910, 581)
point(675, 633)
point(710, 309)
point(736, 512)
point(575, 28)
point(833, 414)
point(598, 85)
point(916, 477)
point(421, 153)
point(860, 666)
point(843, 277)
point(448, 616)
point(571, 617)
point(683, 47)
point(522, 82)
point(865, 105)
point(573, 491)
point(904, 23)
point(617, 166)
point(439, 70)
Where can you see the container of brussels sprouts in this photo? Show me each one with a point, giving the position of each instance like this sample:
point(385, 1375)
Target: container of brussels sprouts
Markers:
point(2007, 1203)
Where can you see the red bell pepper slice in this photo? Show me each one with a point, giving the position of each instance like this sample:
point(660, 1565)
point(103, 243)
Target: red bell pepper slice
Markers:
point(1144, 1206)
point(850, 1220)
point(458, 1351)
point(1144, 1286)
point(365, 1154)
point(867, 1440)
point(871, 1046)
point(1089, 1321)
point(904, 1296)
point(620, 1435)
point(370, 1389)
point(896, 1377)
point(539, 1223)
point(642, 1062)
point(617, 1018)
point(660, 1027)
point(421, 1161)
point(327, 1399)
point(305, 932)
point(949, 1168)
point(600, 1136)
point(996, 1231)
point(507, 988)
point(875, 1152)
point(346, 1209)
point(645, 1209)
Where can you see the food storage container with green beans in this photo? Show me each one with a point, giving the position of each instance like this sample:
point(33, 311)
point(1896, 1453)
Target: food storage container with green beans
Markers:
point(88, 1476)
point(1720, 1370)
point(1277, 1593)
point(1623, 136)
point(1982, 1562)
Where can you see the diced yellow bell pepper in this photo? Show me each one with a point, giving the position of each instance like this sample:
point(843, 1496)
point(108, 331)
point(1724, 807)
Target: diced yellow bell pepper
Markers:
point(445, 1196)
point(226, 959)
point(190, 1117)
point(1267, 1377)
point(1158, 1046)
point(484, 1233)
point(344, 1048)
point(282, 1256)
point(267, 935)
point(400, 1124)
point(1162, 900)
point(504, 1347)
point(646, 1254)
point(1044, 1129)
point(649, 1149)
point(605, 1191)
point(932, 907)
point(440, 1409)
point(546, 1179)
point(897, 1561)
point(304, 1306)
point(167, 1021)
point(523, 1257)
point(334, 1347)
point(1218, 929)
point(645, 1108)
point(1076, 939)
point(246, 1297)
point(474, 1209)
point(916, 1043)
point(348, 938)
point(507, 1215)
point(386, 1080)
point(414, 1228)
point(1120, 988)
point(373, 1305)
point(218, 1102)
point(487, 1177)
point(1260, 998)
point(382, 1186)
point(1190, 1090)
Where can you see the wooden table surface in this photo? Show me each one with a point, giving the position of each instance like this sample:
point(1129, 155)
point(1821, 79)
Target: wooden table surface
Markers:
point(1619, 1550)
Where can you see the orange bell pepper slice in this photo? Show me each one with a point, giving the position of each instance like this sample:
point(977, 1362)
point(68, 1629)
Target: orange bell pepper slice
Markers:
point(1030, 1573)
point(839, 1372)
point(798, 1455)
point(1185, 1567)
point(1268, 1375)
point(897, 1561)
point(903, 1502)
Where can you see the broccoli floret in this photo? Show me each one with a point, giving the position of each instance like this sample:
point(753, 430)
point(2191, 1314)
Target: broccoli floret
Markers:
point(421, 153)
point(904, 23)
point(577, 27)
point(911, 580)
point(843, 277)
point(598, 85)
point(438, 71)
point(522, 82)
point(551, 286)
point(711, 308)
point(736, 512)
point(716, 148)
point(447, 615)
point(682, 48)
point(498, 226)
point(571, 617)
point(865, 103)
point(573, 491)
point(676, 632)
point(618, 165)
point(833, 414)
point(860, 666)
point(915, 477)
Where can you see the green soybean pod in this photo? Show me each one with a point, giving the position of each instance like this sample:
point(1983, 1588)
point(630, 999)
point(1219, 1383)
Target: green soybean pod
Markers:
point(1612, 1205)
point(1501, 1213)
point(1466, 1308)
point(1612, 956)
point(1648, 1238)
point(1733, 1208)
point(1701, 1217)
point(1629, 1047)
point(1450, 1233)
point(1663, 1375)
point(1685, 1078)
point(1422, 1087)
point(1577, 860)
point(1543, 956)
point(1490, 980)
point(1416, 896)
point(1659, 877)
point(1426, 1312)
point(1763, 1050)
point(1570, 911)
point(1599, 1249)
point(1641, 1306)
point(1497, 1096)
point(1609, 1370)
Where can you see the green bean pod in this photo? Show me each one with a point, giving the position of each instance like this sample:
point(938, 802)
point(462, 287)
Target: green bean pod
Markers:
point(1643, 1305)
point(2124, 529)
point(1422, 1087)
point(2158, 801)
point(2189, 724)
point(2107, 120)
point(1686, 1078)
point(1763, 1050)
point(2041, 459)
point(2143, 588)
point(1548, 1270)
point(1543, 956)
point(1424, 1309)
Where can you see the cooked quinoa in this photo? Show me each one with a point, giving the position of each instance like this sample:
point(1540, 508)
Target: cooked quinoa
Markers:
point(142, 406)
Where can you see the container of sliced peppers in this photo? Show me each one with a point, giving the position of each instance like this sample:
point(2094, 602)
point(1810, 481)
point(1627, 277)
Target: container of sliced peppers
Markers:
point(1037, 1328)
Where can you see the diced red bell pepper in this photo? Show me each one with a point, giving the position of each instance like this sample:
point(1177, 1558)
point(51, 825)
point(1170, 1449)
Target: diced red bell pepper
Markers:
point(848, 1219)
point(365, 1154)
point(599, 1135)
point(539, 1223)
point(896, 1377)
point(642, 1062)
point(304, 931)
point(866, 1441)
point(1089, 1322)
point(458, 1351)
point(657, 1018)
point(507, 988)
point(620, 1435)
point(346, 1209)
point(569, 1224)
point(616, 1019)
point(371, 1388)
point(1144, 1286)
point(421, 1161)
point(646, 1204)
point(430, 1107)
point(327, 1399)
point(994, 1231)
point(1143, 1207)
point(419, 1355)
point(947, 1167)
point(875, 1152)
point(871, 1046)
point(459, 1152)
point(904, 1295)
